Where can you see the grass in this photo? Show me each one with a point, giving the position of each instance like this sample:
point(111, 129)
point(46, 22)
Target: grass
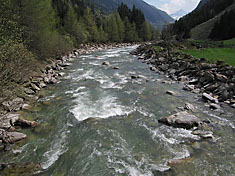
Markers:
point(214, 54)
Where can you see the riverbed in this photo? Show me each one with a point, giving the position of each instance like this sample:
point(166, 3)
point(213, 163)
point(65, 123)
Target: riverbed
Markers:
point(102, 120)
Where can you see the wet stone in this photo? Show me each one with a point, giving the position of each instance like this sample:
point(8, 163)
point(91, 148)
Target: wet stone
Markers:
point(169, 92)
point(181, 120)
point(208, 97)
point(214, 106)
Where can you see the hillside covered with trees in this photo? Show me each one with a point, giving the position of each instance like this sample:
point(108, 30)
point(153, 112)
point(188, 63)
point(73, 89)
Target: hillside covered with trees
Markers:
point(207, 11)
point(33, 31)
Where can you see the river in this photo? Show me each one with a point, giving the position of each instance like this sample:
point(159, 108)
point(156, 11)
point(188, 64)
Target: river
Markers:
point(99, 121)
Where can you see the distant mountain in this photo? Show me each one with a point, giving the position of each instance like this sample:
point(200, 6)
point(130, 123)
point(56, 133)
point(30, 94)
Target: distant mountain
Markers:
point(156, 17)
point(177, 15)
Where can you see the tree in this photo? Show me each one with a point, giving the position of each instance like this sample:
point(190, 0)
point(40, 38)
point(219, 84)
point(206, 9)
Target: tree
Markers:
point(74, 28)
point(88, 21)
point(146, 35)
point(121, 27)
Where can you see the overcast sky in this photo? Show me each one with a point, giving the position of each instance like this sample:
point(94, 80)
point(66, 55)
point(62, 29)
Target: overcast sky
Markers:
point(172, 6)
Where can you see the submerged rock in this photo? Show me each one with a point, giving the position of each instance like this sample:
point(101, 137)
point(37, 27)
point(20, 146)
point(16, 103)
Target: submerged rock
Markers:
point(25, 123)
point(176, 162)
point(181, 120)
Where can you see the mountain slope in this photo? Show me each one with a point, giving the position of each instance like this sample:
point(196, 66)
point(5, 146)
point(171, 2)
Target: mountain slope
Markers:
point(201, 21)
point(203, 30)
point(156, 17)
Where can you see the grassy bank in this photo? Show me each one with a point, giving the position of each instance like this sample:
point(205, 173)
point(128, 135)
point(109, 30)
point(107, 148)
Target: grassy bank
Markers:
point(214, 54)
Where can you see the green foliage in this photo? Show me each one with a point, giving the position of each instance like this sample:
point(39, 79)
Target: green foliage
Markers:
point(214, 54)
point(10, 29)
point(91, 26)
point(74, 28)
point(15, 62)
point(121, 27)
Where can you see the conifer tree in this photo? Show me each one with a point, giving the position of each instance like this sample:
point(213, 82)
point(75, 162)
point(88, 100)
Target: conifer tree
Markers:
point(121, 27)
point(91, 27)
point(74, 28)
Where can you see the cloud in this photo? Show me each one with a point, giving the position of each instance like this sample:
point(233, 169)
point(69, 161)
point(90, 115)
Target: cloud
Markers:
point(172, 6)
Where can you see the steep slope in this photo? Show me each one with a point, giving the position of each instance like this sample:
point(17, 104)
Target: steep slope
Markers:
point(203, 30)
point(206, 11)
point(202, 3)
point(156, 17)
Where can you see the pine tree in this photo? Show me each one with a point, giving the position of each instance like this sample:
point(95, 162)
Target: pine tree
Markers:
point(74, 28)
point(146, 35)
point(129, 31)
point(121, 27)
point(90, 25)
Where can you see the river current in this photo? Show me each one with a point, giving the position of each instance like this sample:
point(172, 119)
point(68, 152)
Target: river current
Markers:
point(98, 121)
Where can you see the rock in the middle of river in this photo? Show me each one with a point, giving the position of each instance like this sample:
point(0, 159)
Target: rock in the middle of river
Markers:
point(181, 120)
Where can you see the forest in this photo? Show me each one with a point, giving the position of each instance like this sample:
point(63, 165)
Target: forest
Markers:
point(183, 26)
point(33, 31)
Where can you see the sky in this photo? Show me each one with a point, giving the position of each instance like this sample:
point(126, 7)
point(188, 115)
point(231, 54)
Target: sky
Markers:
point(172, 6)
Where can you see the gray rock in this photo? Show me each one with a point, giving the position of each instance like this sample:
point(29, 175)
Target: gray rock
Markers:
point(29, 91)
point(214, 106)
point(169, 92)
point(188, 87)
point(206, 96)
point(106, 63)
point(61, 74)
point(46, 80)
point(26, 107)
point(53, 80)
point(42, 85)
point(233, 105)
point(7, 120)
point(189, 106)
point(13, 105)
point(181, 120)
point(11, 137)
point(161, 59)
point(34, 87)
point(203, 134)
point(115, 68)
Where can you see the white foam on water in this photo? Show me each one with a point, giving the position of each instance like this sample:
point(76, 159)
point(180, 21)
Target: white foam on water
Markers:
point(75, 91)
point(104, 107)
point(95, 63)
point(58, 147)
point(123, 161)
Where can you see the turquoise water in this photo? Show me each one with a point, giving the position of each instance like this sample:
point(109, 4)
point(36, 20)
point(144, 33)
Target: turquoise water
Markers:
point(97, 121)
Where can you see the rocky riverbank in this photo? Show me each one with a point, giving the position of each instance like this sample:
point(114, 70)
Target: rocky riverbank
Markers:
point(215, 82)
point(11, 121)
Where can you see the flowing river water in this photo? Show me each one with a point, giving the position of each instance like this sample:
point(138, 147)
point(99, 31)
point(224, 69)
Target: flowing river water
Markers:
point(98, 121)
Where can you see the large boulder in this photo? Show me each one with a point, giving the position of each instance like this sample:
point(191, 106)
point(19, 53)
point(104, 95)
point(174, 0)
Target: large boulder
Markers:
point(11, 137)
point(181, 120)
point(13, 105)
